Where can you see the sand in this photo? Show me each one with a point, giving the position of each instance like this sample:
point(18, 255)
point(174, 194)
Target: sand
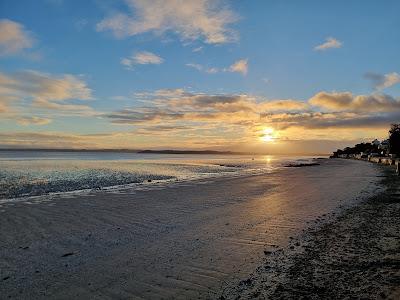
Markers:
point(187, 240)
point(355, 256)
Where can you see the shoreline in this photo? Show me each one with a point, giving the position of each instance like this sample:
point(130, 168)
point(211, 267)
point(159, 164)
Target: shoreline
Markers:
point(183, 241)
point(234, 171)
point(355, 255)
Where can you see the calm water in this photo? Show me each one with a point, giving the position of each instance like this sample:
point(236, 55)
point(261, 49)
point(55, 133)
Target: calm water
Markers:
point(33, 173)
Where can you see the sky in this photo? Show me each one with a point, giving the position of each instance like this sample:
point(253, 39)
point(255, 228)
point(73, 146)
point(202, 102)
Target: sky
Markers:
point(278, 77)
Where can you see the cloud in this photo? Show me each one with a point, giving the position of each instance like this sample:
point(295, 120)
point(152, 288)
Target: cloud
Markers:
point(265, 80)
point(197, 49)
point(13, 38)
point(176, 117)
point(142, 58)
point(47, 139)
point(336, 120)
point(81, 24)
point(329, 44)
point(201, 68)
point(241, 117)
point(169, 93)
point(169, 106)
point(3, 106)
point(284, 105)
point(191, 20)
point(381, 82)
point(361, 103)
point(45, 90)
point(26, 121)
point(240, 66)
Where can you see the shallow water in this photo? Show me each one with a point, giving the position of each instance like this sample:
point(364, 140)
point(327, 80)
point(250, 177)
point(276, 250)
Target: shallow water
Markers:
point(34, 173)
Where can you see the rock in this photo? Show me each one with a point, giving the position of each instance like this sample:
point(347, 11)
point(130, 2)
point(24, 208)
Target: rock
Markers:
point(68, 254)
point(247, 281)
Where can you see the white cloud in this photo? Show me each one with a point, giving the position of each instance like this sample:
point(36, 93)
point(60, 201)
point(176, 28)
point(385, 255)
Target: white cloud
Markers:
point(13, 38)
point(329, 43)
point(381, 82)
point(203, 69)
point(81, 24)
point(240, 66)
point(142, 58)
point(265, 80)
point(191, 20)
point(198, 49)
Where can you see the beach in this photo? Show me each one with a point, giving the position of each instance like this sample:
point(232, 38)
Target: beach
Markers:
point(355, 256)
point(255, 235)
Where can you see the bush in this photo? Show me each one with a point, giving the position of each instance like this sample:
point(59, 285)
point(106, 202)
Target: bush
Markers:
point(394, 139)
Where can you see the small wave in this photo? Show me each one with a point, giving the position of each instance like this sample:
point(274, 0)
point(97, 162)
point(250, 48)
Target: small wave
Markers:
point(23, 186)
point(299, 165)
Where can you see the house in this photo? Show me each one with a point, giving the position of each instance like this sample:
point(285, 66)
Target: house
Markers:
point(384, 145)
point(375, 142)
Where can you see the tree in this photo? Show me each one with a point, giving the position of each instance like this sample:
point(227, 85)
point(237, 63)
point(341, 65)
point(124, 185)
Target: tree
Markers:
point(394, 139)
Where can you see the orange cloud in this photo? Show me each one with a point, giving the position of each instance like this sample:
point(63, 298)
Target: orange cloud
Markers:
point(26, 121)
point(13, 38)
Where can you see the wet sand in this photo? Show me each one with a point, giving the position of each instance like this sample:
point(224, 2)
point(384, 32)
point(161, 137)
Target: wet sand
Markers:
point(355, 256)
point(187, 240)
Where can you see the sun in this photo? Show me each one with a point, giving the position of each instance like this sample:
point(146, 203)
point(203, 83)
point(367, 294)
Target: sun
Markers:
point(268, 135)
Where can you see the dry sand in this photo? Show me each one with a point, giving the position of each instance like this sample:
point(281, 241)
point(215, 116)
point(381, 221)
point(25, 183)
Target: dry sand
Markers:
point(187, 240)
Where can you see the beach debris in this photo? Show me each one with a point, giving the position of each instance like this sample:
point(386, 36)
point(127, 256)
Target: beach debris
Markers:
point(247, 281)
point(7, 277)
point(267, 252)
point(68, 254)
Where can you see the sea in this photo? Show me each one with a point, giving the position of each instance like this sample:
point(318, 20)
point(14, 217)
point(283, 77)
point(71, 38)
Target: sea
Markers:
point(35, 173)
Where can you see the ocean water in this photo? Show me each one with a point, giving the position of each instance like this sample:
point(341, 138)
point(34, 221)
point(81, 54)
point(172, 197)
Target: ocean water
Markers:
point(35, 173)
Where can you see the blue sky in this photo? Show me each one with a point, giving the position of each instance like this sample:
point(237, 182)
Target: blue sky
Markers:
point(193, 52)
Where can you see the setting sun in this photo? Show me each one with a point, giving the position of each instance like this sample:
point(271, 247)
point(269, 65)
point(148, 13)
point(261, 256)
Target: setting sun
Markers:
point(268, 135)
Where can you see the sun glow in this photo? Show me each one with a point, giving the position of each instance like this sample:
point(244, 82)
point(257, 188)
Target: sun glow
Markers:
point(268, 135)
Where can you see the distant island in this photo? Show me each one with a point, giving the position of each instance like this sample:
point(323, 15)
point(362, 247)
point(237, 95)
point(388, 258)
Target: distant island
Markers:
point(167, 151)
point(191, 152)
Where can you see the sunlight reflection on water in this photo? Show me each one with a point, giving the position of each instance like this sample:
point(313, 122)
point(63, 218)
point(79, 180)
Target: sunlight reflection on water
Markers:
point(32, 173)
